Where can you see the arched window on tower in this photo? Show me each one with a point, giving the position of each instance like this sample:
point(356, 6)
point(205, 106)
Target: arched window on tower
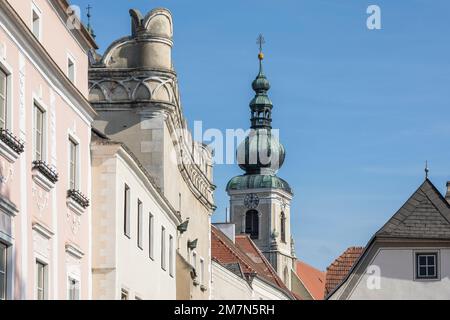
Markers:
point(283, 227)
point(252, 224)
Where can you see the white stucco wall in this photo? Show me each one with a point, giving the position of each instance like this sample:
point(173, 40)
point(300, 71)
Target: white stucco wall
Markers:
point(397, 277)
point(114, 252)
point(228, 286)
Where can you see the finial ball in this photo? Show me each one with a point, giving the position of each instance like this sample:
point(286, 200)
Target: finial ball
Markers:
point(260, 56)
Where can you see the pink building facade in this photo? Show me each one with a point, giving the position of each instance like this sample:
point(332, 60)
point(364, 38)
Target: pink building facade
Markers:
point(45, 131)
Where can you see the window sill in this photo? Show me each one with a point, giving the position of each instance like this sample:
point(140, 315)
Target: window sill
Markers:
point(10, 146)
point(77, 201)
point(42, 180)
point(74, 206)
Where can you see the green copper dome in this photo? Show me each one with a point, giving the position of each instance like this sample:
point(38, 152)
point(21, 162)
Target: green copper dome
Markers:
point(257, 181)
point(261, 83)
point(261, 154)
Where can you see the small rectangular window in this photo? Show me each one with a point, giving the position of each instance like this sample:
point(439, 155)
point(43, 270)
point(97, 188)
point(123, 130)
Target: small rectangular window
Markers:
point(139, 224)
point(71, 69)
point(150, 235)
point(36, 24)
point(73, 165)
point(41, 281)
point(126, 211)
point(3, 270)
point(426, 265)
point(74, 289)
point(3, 99)
point(163, 248)
point(202, 271)
point(194, 260)
point(171, 255)
point(39, 133)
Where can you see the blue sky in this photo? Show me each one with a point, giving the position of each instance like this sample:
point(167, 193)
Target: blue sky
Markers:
point(359, 111)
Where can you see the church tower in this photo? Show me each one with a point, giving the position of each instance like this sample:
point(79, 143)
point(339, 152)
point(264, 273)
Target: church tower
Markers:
point(260, 201)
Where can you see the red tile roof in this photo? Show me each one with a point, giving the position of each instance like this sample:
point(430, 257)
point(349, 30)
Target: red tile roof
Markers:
point(244, 252)
point(340, 267)
point(312, 278)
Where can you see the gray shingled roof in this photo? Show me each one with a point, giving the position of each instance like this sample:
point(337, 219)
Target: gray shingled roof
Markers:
point(426, 215)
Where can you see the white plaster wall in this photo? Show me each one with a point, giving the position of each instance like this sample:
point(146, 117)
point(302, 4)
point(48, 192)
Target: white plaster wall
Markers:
point(228, 286)
point(264, 291)
point(397, 268)
point(136, 272)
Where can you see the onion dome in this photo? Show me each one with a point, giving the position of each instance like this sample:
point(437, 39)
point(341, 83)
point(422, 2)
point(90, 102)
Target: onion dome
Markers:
point(260, 153)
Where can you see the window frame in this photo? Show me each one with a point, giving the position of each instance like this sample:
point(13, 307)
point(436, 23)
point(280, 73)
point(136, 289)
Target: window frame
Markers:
point(71, 61)
point(151, 236)
point(36, 10)
point(4, 246)
point(5, 95)
point(163, 249)
point(202, 271)
point(417, 255)
point(140, 225)
point(127, 211)
point(39, 264)
point(283, 227)
point(75, 171)
point(38, 107)
point(253, 229)
point(77, 288)
point(171, 256)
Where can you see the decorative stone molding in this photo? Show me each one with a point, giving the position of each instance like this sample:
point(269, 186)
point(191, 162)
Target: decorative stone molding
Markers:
point(8, 207)
point(74, 250)
point(43, 230)
point(6, 172)
point(41, 197)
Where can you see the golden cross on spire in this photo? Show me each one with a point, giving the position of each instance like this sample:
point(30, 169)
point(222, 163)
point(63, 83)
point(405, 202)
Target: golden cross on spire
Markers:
point(260, 41)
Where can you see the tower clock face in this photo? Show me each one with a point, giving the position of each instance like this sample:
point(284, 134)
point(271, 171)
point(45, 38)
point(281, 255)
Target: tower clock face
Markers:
point(251, 201)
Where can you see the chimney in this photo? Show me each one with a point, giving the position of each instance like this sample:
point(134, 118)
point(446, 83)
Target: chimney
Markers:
point(447, 195)
point(228, 229)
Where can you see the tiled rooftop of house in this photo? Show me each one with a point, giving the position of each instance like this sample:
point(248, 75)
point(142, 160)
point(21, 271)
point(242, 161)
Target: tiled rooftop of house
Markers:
point(312, 278)
point(245, 253)
point(340, 267)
